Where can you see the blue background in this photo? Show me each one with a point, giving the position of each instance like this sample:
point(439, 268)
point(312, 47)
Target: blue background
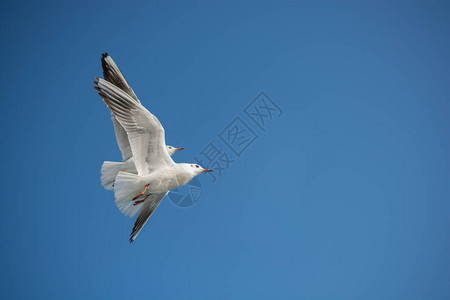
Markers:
point(345, 196)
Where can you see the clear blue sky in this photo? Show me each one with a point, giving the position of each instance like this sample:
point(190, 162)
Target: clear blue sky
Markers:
point(345, 196)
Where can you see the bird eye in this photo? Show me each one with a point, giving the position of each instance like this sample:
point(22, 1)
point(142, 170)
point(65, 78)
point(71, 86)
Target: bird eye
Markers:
point(197, 166)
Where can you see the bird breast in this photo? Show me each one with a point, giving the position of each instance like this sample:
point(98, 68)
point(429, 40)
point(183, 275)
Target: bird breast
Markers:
point(166, 181)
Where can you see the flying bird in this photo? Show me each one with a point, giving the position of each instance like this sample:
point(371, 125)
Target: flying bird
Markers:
point(157, 173)
point(110, 169)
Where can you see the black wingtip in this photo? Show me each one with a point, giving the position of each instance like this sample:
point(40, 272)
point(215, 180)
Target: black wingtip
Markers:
point(104, 64)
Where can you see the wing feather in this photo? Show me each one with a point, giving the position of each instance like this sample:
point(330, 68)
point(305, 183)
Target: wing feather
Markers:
point(146, 212)
point(122, 139)
point(145, 132)
point(112, 74)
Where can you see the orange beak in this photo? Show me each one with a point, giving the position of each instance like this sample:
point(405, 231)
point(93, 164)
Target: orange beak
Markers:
point(178, 149)
point(207, 170)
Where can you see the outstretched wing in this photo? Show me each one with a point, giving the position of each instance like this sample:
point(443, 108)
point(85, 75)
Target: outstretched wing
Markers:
point(112, 74)
point(145, 132)
point(146, 212)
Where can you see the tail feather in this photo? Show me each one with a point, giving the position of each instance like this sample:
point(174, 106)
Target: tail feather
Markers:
point(109, 172)
point(126, 187)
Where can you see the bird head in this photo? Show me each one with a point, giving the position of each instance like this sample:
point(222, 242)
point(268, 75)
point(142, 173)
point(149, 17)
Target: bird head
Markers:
point(171, 150)
point(199, 169)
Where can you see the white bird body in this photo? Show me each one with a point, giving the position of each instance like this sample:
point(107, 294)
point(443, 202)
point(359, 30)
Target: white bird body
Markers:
point(168, 178)
point(110, 169)
point(159, 181)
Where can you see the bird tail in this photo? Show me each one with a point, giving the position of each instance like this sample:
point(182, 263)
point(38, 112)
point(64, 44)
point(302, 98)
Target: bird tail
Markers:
point(109, 171)
point(126, 187)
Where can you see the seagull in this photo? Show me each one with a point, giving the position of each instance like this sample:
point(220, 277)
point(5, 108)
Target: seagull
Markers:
point(110, 169)
point(157, 173)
